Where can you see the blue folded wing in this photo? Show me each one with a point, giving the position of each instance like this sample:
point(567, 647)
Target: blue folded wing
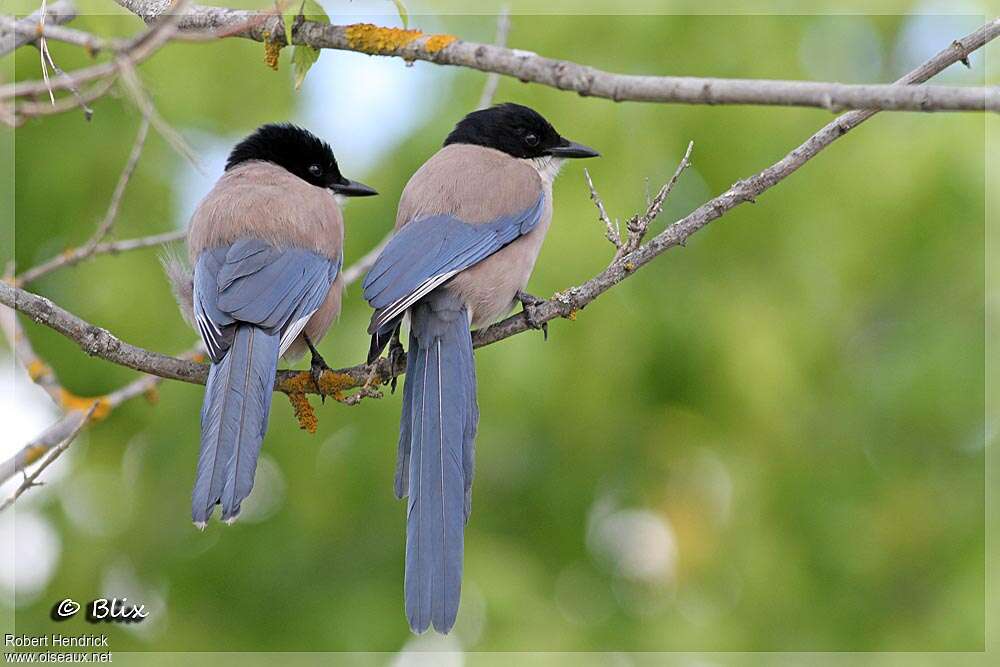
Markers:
point(427, 252)
point(251, 281)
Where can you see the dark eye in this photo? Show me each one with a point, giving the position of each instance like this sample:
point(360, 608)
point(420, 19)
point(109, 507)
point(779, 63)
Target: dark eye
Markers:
point(531, 139)
point(315, 170)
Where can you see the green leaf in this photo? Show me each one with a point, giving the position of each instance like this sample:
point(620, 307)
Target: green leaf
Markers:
point(288, 14)
point(310, 10)
point(403, 14)
point(303, 58)
point(313, 11)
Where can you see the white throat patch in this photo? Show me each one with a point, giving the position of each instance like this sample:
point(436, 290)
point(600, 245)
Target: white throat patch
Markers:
point(547, 167)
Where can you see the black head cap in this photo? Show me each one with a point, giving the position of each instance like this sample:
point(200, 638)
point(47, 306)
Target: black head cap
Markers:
point(516, 130)
point(299, 152)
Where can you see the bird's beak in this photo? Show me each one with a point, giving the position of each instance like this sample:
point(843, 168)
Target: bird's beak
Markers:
point(353, 189)
point(571, 149)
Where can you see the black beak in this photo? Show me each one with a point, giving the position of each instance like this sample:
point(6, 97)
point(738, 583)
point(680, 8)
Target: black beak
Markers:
point(571, 149)
point(353, 189)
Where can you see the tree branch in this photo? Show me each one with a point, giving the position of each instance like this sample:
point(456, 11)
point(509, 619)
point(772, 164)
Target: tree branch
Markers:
point(30, 480)
point(16, 33)
point(587, 81)
point(96, 341)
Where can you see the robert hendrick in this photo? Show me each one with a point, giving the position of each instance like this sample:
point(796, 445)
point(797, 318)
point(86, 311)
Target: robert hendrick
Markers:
point(57, 640)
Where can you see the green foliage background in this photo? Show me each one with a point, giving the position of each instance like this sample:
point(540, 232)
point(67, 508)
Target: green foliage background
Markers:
point(798, 393)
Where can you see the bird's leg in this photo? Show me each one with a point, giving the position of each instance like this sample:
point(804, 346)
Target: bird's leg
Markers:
point(316, 367)
point(395, 352)
point(528, 304)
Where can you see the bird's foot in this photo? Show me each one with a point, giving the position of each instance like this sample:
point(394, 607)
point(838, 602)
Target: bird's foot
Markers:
point(395, 352)
point(529, 303)
point(316, 367)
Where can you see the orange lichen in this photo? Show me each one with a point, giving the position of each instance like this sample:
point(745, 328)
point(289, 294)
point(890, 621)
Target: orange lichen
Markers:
point(571, 315)
point(70, 401)
point(303, 412)
point(272, 50)
point(436, 43)
point(36, 369)
point(373, 39)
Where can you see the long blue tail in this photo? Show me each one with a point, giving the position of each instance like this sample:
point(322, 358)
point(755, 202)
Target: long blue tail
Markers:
point(436, 455)
point(233, 423)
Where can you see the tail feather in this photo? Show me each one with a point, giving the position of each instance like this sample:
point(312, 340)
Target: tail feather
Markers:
point(233, 422)
point(441, 378)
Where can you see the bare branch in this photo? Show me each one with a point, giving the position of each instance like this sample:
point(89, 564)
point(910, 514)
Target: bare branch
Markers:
point(612, 231)
point(587, 81)
point(15, 34)
point(639, 224)
point(30, 480)
point(26, 110)
point(99, 342)
point(38, 371)
point(116, 197)
point(72, 256)
point(134, 51)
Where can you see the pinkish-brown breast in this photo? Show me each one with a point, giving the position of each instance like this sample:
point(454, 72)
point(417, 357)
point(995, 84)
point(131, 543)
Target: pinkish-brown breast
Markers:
point(262, 200)
point(478, 185)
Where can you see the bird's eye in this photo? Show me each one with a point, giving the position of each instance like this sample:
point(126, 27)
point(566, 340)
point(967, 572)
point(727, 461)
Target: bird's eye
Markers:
point(531, 139)
point(315, 169)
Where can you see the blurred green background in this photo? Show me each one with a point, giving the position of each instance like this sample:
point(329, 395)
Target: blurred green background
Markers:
point(770, 440)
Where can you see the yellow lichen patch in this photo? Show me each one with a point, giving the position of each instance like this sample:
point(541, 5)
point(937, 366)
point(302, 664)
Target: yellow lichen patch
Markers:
point(436, 43)
point(70, 401)
point(36, 369)
point(303, 412)
point(272, 50)
point(299, 383)
point(334, 384)
point(152, 395)
point(630, 267)
point(68, 252)
point(571, 315)
point(373, 39)
point(330, 384)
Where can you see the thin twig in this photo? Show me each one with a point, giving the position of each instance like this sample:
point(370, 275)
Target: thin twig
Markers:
point(28, 29)
point(639, 224)
point(30, 480)
point(144, 385)
point(38, 371)
point(72, 256)
point(123, 180)
point(135, 88)
point(24, 110)
point(612, 230)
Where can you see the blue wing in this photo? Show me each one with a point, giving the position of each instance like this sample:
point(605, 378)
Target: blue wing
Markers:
point(276, 289)
point(427, 252)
